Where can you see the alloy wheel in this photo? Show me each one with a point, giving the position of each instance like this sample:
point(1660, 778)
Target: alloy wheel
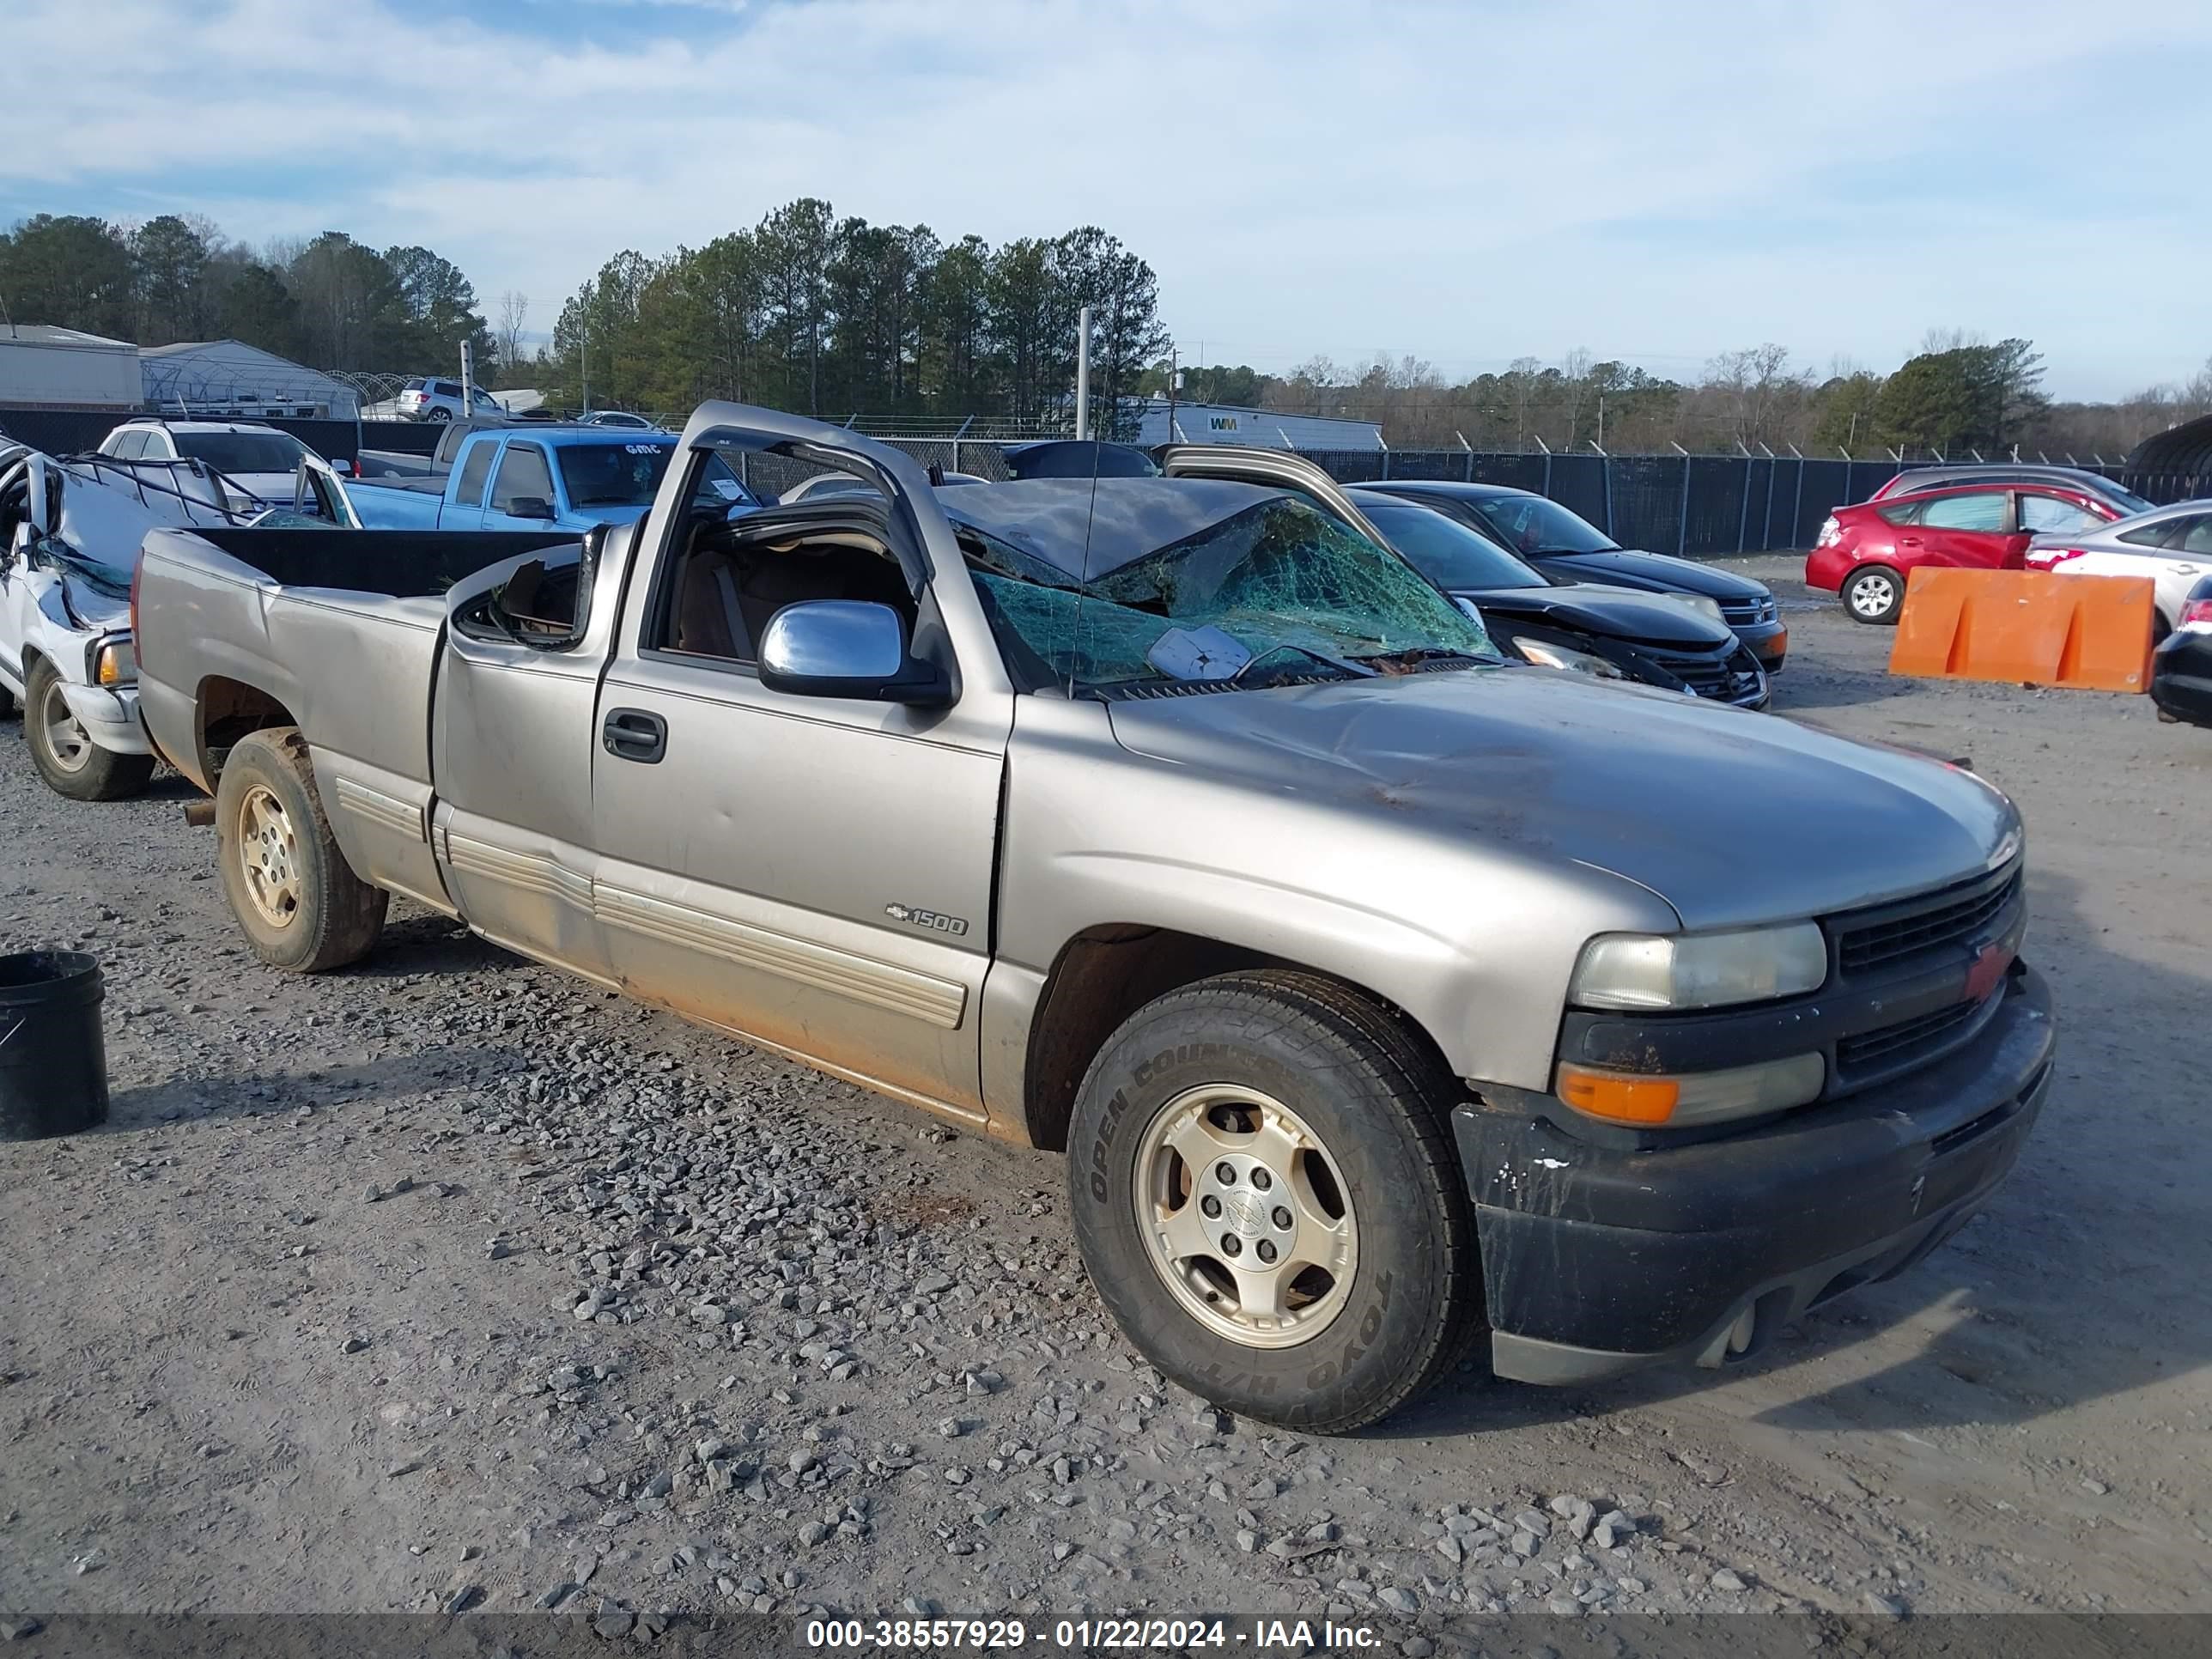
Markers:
point(269, 855)
point(1245, 1216)
point(67, 741)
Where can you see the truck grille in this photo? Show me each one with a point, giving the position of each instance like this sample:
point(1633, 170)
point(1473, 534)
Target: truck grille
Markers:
point(1901, 1041)
point(1955, 915)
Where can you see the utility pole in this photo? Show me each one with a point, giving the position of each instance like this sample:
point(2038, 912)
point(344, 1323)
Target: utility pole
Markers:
point(1083, 374)
point(1599, 445)
point(584, 359)
point(1175, 379)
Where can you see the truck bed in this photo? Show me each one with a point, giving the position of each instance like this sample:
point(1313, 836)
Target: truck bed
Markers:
point(341, 628)
point(394, 563)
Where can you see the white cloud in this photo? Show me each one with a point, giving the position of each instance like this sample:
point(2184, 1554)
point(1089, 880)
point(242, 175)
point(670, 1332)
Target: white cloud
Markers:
point(1468, 183)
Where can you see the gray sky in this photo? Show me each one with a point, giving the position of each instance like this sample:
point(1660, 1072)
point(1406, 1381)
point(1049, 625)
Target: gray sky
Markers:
point(1469, 183)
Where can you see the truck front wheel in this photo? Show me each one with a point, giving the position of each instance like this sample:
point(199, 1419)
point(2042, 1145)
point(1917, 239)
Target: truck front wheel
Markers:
point(73, 765)
point(298, 900)
point(1265, 1197)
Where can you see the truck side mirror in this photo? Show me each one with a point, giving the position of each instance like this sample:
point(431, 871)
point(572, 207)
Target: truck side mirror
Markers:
point(530, 507)
point(847, 649)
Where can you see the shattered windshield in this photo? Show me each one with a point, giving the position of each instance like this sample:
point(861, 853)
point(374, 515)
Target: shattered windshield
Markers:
point(1193, 581)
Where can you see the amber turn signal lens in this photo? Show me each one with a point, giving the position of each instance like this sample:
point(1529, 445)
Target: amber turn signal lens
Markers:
point(1618, 1098)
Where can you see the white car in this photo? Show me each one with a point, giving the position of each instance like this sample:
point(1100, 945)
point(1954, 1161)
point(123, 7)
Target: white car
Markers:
point(259, 460)
point(70, 534)
point(2171, 546)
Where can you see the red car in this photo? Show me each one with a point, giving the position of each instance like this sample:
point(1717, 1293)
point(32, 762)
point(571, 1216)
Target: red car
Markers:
point(1864, 550)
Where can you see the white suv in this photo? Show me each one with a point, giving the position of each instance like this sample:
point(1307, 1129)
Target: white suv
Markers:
point(259, 460)
point(425, 399)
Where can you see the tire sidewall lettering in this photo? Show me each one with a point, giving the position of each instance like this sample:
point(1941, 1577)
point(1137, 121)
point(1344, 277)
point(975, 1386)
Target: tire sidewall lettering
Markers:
point(1368, 1330)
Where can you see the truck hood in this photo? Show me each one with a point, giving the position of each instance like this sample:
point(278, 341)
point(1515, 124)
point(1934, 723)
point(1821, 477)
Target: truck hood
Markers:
point(1610, 613)
point(1732, 818)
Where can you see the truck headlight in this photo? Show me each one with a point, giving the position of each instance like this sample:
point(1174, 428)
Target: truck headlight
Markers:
point(1703, 604)
point(1556, 656)
point(1674, 971)
point(114, 661)
point(1691, 1097)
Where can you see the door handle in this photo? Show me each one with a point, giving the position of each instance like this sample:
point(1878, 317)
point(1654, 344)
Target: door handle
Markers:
point(635, 734)
point(1908, 541)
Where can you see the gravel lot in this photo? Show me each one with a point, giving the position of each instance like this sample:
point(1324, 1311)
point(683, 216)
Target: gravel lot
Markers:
point(449, 1282)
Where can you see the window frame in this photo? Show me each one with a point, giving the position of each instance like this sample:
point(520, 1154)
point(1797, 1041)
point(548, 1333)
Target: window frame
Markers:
point(661, 590)
point(2008, 515)
point(2091, 519)
point(484, 484)
point(507, 452)
point(2166, 534)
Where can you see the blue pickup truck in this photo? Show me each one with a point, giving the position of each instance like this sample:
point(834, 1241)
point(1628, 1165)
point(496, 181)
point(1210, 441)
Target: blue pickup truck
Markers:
point(568, 478)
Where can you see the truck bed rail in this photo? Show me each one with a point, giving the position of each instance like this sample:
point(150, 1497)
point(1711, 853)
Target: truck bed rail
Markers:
point(398, 563)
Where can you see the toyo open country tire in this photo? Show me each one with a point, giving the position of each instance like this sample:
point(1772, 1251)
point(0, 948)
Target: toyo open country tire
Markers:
point(1874, 594)
point(1266, 1197)
point(297, 900)
point(73, 765)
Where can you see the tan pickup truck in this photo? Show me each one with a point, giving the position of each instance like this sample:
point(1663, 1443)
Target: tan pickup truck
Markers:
point(1387, 998)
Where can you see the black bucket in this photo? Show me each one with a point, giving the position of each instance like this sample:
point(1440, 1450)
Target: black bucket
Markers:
point(54, 1060)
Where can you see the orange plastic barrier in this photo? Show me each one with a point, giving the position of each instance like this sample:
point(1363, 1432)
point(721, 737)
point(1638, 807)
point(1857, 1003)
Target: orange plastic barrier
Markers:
point(2026, 627)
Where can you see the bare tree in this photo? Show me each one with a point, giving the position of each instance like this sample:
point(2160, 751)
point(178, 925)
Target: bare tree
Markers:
point(1938, 340)
point(2195, 397)
point(1574, 372)
point(513, 311)
point(1521, 377)
point(1757, 387)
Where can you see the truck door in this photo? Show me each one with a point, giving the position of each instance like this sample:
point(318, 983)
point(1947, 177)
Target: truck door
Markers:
point(811, 872)
point(512, 749)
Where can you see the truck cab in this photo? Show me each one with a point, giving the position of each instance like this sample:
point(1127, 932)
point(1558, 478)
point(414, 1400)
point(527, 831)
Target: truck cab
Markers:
point(535, 477)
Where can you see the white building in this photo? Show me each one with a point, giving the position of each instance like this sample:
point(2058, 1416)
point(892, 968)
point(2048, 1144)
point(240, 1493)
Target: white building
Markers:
point(229, 378)
point(46, 367)
point(1267, 429)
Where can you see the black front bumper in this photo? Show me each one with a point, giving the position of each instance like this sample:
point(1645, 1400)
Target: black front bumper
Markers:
point(1769, 641)
point(1597, 1261)
point(2185, 697)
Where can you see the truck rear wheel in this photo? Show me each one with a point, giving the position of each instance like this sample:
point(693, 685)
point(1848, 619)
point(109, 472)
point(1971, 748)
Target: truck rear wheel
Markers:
point(72, 764)
point(298, 900)
point(1265, 1197)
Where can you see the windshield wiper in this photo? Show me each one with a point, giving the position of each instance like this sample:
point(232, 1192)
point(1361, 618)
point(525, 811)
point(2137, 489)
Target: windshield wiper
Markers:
point(1351, 669)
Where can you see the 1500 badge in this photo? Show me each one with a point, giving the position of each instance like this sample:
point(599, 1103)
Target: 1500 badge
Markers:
point(936, 920)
